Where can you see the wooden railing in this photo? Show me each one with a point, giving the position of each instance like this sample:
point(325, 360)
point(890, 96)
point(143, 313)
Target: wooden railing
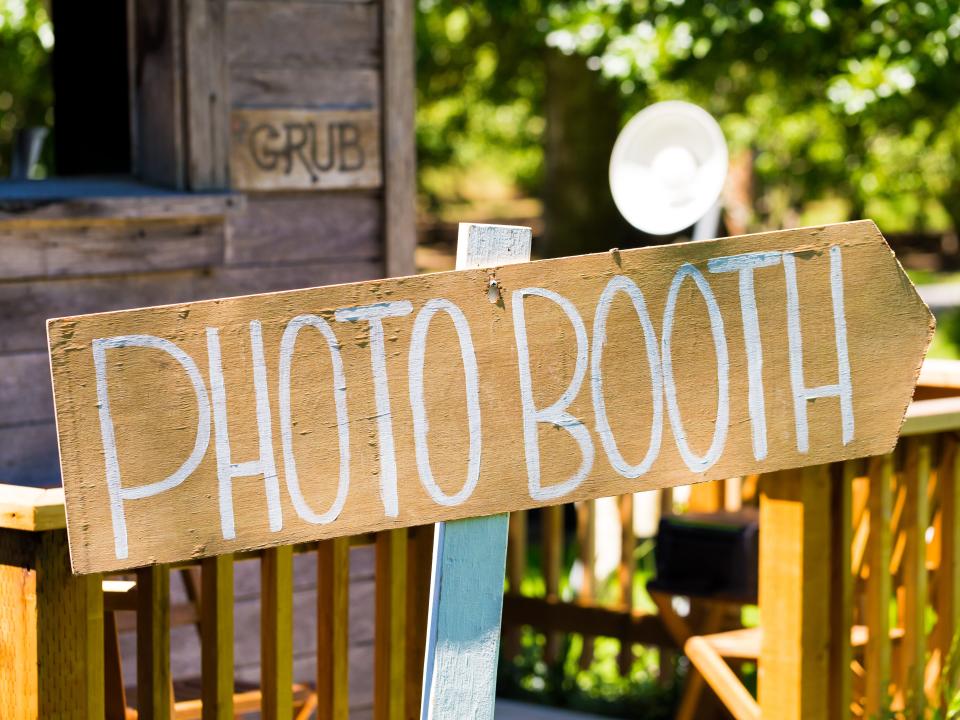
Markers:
point(55, 663)
point(837, 637)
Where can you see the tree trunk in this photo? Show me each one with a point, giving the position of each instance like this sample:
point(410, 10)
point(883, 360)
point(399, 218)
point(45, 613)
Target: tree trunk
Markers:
point(582, 122)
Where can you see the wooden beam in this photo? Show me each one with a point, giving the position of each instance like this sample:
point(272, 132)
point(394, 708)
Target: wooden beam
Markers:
point(399, 152)
point(795, 573)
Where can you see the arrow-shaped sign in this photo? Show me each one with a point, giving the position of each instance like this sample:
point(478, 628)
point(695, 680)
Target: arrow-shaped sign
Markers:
point(217, 426)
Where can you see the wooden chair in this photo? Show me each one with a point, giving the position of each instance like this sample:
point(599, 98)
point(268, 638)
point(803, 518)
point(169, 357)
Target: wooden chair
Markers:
point(120, 596)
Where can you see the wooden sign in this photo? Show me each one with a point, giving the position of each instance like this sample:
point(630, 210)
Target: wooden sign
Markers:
point(305, 149)
point(218, 426)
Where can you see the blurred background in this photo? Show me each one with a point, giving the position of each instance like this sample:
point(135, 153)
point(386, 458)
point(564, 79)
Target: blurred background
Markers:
point(831, 111)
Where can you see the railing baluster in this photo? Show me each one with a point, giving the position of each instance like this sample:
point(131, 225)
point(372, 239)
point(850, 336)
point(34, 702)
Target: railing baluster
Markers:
point(390, 638)
point(841, 653)
point(333, 614)
point(276, 633)
point(628, 563)
point(552, 569)
point(587, 534)
point(153, 643)
point(948, 576)
point(917, 518)
point(879, 586)
point(216, 627)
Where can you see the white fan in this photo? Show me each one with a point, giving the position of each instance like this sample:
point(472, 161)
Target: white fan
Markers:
point(667, 170)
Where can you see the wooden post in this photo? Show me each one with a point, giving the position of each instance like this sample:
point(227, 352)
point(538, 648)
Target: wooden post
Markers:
point(153, 643)
point(389, 634)
point(333, 640)
point(216, 627)
point(19, 692)
point(879, 586)
point(795, 569)
point(916, 520)
point(470, 556)
point(276, 632)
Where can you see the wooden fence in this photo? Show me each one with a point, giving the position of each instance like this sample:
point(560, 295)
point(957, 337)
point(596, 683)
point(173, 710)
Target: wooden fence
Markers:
point(859, 601)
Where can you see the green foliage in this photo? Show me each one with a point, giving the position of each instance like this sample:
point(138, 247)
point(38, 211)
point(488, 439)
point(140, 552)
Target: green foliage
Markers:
point(852, 99)
point(26, 89)
point(479, 92)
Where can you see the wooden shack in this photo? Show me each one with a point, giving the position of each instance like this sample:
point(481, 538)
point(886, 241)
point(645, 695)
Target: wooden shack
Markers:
point(206, 148)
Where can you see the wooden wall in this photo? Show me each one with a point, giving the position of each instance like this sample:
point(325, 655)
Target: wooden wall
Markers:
point(128, 246)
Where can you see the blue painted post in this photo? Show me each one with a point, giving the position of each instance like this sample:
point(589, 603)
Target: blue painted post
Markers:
point(469, 556)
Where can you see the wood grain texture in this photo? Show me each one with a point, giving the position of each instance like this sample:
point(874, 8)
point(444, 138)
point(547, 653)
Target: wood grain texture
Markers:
point(794, 667)
point(304, 87)
point(303, 35)
point(460, 677)
point(469, 556)
point(887, 331)
point(332, 148)
point(287, 228)
point(400, 157)
point(69, 635)
point(31, 509)
point(108, 248)
point(206, 94)
point(25, 306)
point(158, 94)
point(19, 696)
point(916, 520)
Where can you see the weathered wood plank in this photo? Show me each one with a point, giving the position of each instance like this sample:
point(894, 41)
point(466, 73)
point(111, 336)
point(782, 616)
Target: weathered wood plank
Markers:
point(469, 556)
point(276, 633)
point(400, 157)
point(304, 87)
point(530, 333)
point(25, 306)
point(320, 148)
point(303, 35)
point(795, 571)
point(26, 395)
point(69, 635)
point(107, 248)
point(206, 94)
point(333, 611)
point(66, 202)
point(153, 643)
point(947, 593)
point(157, 74)
point(31, 509)
point(390, 650)
point(217, 637)
point(302, 227)
point(19, 695)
